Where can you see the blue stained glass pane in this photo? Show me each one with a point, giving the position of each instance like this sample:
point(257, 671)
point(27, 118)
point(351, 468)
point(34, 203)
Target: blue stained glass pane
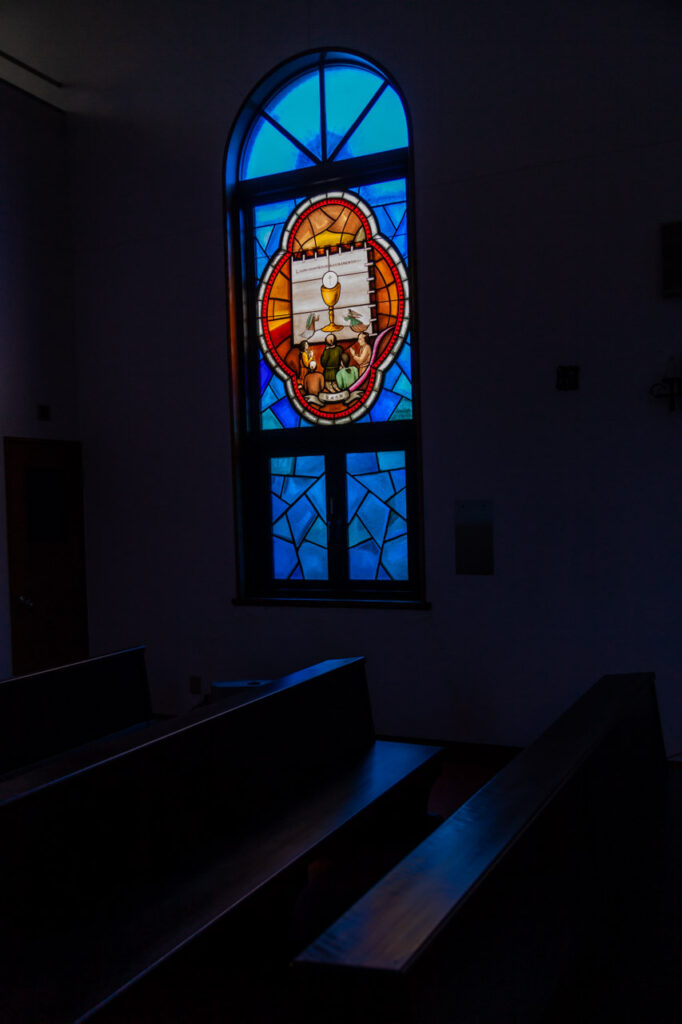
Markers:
point(317, 534)
point(297, 108)
point(396, 212)
point(301, 516)
point(277, 386)
point(281, 528)
point(382, 574)
point(399, 503)
point(357, 532)
point(283, 465)
point(356, 492)
point(384, 192)
point(384, 406)
point(265, 374)
point(386, 226)
point(394, 557)
point(374, 514)
point(268, 398)
point(286, 413)
point(278, 507)
point(347, 93)
point(405, 358)
point(273, 213)
point(269, 421)
point(379, 484)
point(270, 152)
point(284, 557)
point(362, 462)
point(396, 526)
point(317, 495)
point(399, 478)
point(363, 561)
point(385, 127)
point(296, 525)
point(305, 423)
point(310, 465)
point(391, 460)
point(400, 242)
point(403, 386)
point(403, 410)
point(313, 561)
point(263, 236)
point(275, 239)
point(294, 487)
point(392, 375)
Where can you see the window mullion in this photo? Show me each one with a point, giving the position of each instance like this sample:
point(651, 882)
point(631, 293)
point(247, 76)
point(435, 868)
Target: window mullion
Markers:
point(338, 533)
point(323, 114)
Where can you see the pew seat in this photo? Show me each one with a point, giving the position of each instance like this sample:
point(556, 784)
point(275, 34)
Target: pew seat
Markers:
point(483, 920)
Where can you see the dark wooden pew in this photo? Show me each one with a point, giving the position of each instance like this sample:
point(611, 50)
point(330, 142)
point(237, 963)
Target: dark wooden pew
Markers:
point(45, 713)
point(118, 871)
point(484, 920)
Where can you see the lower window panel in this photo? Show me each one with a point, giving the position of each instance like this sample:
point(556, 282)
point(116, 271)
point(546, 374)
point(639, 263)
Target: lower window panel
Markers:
point(300, 528)
point(376, 507)
point(367, 540)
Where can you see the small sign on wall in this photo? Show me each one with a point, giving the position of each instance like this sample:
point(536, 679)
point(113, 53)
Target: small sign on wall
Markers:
point(671, 259)
point(474, 538)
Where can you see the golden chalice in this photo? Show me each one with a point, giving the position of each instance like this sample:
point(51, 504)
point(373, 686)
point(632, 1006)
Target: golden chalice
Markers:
point(330, 291)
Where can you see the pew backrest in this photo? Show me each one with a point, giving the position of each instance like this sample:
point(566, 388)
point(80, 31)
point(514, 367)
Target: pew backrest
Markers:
point(142, 812)
point(45, 713)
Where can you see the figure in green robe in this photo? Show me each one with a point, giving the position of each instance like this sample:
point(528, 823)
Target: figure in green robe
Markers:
point(347, 374)
point(331, 361)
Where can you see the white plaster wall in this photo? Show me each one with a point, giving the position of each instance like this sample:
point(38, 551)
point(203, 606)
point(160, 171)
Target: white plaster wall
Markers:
point(37, 364)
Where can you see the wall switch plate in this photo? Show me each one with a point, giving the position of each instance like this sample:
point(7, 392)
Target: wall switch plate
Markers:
point(567, 378)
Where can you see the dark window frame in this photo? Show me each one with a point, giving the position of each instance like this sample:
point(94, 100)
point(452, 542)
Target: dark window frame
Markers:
point(252, 447)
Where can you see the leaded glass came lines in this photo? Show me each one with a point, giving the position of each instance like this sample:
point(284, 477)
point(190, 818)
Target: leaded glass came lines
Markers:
point(299, 518)
point(388, 203)
point(376, 515)
point(362, 115)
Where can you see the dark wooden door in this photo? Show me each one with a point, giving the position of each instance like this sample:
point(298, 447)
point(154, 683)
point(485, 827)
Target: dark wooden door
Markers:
point(46, 553)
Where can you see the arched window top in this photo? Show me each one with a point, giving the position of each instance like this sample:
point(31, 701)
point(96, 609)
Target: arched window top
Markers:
point(337, 110)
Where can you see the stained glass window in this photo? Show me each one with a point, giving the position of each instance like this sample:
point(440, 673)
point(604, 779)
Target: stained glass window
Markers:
point(361, 114)
point(376, 485)
point(333, 314)
point(320, 262)
point(299, 518)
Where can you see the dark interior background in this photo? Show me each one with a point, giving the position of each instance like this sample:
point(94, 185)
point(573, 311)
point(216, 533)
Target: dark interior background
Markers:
point(547, 153)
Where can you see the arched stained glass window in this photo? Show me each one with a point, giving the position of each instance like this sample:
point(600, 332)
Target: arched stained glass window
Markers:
point(321, 306)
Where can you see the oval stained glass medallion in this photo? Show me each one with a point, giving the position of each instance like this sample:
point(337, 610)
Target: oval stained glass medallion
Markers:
point(333, 308)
